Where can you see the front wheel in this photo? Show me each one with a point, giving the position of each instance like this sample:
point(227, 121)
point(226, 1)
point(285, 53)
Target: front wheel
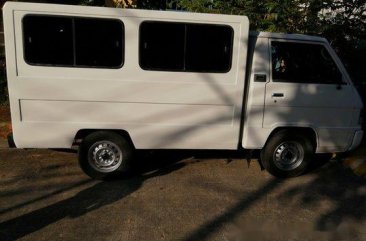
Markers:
point(287, 154)
point(104, 154)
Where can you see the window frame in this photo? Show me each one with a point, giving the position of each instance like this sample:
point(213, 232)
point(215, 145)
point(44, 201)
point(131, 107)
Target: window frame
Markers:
point(314, 42)
point(72, 17)
point(187, 23)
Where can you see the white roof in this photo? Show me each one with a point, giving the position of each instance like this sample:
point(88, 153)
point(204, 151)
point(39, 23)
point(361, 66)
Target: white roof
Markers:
point(287, 36)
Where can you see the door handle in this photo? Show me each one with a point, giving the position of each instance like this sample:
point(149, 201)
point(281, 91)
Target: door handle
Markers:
point(278, 95)
point(260, 78)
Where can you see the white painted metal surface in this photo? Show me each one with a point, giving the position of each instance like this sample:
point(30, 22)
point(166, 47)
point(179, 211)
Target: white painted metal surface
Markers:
point(158, 109)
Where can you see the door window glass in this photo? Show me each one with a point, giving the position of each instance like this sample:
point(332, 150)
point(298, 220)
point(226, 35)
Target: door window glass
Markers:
point(303, 63)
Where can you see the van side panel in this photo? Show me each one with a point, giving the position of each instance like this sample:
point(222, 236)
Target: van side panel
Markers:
point(159, 109)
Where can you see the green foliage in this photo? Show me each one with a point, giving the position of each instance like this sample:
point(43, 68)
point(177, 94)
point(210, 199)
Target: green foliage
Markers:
point(345, 27)
point(295, 16)
point(151, 4)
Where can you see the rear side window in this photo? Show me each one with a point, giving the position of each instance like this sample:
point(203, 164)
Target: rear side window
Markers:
point(208, 48)
point(98, 42)
point(168, 46)
point(73, 42)
point(303, 63)
point(48, 40)
point(162, 46)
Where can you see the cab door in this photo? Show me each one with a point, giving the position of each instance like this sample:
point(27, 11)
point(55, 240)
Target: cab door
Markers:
point(307, 88)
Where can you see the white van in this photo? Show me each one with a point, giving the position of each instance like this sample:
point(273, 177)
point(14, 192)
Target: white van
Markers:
point(123, 79)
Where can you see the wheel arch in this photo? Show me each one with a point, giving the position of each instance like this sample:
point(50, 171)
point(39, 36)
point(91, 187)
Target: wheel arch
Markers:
point(82, 133)
point(309, 132)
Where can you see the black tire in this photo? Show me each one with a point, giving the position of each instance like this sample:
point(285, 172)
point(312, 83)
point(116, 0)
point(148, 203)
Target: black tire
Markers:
point(287, 154)
point(111, 148)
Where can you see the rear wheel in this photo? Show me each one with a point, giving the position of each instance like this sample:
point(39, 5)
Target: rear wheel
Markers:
point(104, 154)
point(287, 154)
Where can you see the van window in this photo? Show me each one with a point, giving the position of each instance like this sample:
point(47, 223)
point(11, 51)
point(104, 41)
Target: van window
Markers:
point(303, 63)
point(48, 40)
point(208, 48)
point(73, 41)
point(162, 46)
point(98, 42)
point(167, 46)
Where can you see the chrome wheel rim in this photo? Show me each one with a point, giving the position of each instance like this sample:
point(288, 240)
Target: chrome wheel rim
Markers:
point(288, 155)
point(105, 156)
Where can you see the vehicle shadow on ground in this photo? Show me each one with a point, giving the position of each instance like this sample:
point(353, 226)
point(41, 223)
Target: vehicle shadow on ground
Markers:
point(333, 180)
point(92, 198)
point(343, 182)
point(147, 164)
point(145, 160)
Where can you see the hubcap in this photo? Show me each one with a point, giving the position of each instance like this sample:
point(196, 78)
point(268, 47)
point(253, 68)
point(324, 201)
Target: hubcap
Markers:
point(288, 155)
point(105, 156)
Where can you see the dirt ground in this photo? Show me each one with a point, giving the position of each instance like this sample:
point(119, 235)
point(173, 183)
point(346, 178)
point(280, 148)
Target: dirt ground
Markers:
point(5, 126)
point(175, 195)
point(4, 113)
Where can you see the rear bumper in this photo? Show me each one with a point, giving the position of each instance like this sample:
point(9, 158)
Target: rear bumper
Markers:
point(357, 138)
